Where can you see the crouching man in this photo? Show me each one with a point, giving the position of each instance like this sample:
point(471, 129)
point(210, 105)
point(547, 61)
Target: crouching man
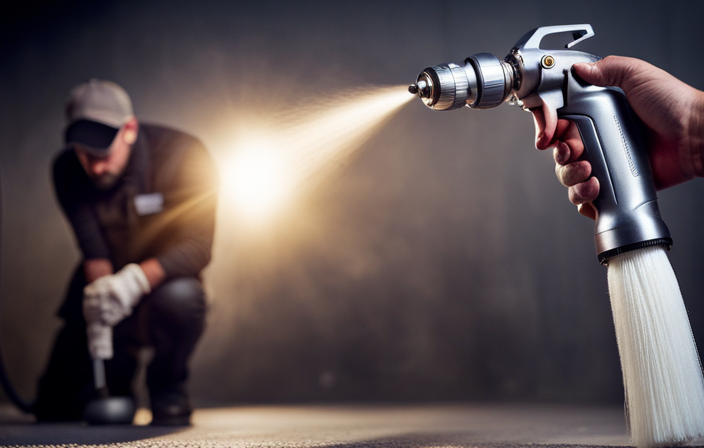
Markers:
point(141, 202)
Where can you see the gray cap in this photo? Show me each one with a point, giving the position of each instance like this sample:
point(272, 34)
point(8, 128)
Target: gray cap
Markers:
point(95, 112)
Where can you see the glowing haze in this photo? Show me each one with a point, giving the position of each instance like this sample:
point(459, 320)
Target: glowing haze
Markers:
point(281, 159)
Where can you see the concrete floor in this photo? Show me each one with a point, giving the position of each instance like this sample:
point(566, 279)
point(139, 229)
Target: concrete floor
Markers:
point(397, 426)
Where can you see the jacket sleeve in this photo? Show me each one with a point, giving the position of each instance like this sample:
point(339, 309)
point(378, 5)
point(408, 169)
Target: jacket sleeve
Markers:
point(72, 188)
point(192, 206)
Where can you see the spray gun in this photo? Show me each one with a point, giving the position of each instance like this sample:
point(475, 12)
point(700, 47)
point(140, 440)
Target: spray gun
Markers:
point(628, 217)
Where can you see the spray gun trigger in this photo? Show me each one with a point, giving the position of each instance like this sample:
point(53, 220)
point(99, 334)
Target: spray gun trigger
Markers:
point(580, 36)
point(533, 38)
point(552, 100)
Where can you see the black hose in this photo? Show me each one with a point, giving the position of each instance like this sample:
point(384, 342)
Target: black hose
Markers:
point(4, 378)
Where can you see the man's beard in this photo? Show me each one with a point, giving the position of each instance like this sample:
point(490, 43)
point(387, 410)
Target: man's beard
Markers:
point(105, 181)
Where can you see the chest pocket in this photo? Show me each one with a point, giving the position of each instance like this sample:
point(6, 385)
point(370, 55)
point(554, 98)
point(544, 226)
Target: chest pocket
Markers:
point(118, 217)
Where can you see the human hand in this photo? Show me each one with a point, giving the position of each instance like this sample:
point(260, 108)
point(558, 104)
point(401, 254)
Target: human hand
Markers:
point(99, 340)
point(111, 298)
point(672, 112)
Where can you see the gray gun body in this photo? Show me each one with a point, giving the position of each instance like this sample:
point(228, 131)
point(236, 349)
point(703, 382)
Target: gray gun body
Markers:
point(628, 217)
point(628, 214)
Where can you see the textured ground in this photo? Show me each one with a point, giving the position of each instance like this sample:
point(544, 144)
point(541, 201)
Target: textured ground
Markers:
point(408, 426)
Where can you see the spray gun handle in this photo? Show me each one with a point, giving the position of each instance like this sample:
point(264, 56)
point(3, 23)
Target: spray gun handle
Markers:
point(628, 216)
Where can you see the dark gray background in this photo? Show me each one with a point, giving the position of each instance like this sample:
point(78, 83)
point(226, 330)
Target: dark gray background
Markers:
point(443, 263)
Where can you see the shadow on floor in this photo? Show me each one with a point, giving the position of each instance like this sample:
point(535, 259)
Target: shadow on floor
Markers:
point(75, 433)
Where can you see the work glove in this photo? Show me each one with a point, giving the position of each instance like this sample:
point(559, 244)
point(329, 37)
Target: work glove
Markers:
point(99, 340)
point(107, 301)
point(110, 299)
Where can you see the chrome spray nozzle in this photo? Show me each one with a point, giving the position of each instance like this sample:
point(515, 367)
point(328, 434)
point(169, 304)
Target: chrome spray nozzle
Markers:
point(481, 82)
point(428, 87)
point(422, 88)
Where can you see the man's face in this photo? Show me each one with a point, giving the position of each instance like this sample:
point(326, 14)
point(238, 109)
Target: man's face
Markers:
point(106, 171)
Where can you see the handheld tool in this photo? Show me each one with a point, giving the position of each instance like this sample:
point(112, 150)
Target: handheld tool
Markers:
point(661, 370)
point(628, 215)
point(104, 409)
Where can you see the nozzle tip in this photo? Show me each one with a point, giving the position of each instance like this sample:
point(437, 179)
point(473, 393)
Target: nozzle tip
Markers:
point(413, 88)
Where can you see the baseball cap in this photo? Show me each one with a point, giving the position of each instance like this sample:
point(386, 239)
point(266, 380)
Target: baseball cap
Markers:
point(95, 111)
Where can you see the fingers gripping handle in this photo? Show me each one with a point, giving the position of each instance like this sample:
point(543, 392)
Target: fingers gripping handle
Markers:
point(628, 217)
point(99, 340)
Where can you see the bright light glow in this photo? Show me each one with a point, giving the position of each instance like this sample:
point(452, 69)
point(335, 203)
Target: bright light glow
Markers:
point(262, 176)
point(255, 181)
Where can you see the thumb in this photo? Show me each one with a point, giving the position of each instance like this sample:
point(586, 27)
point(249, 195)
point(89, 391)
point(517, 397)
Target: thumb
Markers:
point(610, 71)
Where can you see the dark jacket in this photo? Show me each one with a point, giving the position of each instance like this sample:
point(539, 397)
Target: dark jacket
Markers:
point(163, 206)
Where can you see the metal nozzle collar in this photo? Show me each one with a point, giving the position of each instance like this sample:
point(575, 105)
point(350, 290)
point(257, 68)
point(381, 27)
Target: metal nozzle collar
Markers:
point(483, 82)
point(494, 80)
point(454, 84)
point(446, 87)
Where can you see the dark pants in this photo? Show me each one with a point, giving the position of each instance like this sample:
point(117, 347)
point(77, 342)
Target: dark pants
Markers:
point(170, 319)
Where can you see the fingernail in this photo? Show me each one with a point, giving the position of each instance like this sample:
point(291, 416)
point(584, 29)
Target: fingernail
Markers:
point(561, 155)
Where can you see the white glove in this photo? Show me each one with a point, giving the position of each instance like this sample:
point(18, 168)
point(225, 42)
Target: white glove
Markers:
point(110, 299)
point(99, 340)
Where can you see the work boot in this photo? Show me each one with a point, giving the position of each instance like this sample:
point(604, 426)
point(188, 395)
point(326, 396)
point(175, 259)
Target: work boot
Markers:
point(171, 408)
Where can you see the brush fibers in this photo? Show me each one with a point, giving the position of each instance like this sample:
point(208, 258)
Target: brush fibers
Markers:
point(662, 375)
